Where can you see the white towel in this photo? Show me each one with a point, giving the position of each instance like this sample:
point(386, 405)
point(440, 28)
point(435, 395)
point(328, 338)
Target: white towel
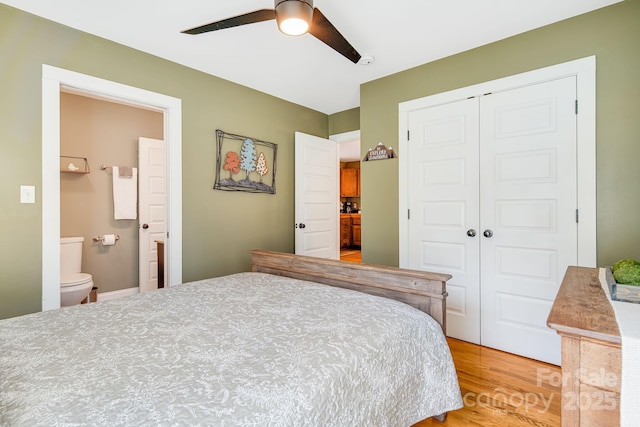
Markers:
point(125, 195)
point(628, 318)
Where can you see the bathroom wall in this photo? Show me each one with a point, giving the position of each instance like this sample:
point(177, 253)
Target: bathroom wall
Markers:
point(105, 133)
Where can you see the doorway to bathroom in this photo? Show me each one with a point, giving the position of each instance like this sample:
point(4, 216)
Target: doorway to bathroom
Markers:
point(105, 135)
point(55, 82)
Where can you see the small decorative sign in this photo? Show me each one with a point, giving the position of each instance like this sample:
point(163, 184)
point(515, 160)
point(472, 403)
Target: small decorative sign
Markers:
point(380, 152)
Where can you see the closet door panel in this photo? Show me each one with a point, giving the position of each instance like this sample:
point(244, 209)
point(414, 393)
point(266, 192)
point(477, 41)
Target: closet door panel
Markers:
point(528, 200)
point(443, 205)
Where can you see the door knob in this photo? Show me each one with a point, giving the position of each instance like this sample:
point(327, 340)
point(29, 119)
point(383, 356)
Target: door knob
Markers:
point(302, 225)
point(145, 226)
point(471, 232)
point(488, 233)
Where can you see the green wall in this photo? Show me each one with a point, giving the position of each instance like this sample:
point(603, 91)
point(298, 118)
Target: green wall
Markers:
point(612, 34)
point(218, 227)
point(344, 121)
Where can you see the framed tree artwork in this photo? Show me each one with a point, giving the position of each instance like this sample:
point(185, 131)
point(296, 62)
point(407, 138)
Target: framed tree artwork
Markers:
point(245, 164)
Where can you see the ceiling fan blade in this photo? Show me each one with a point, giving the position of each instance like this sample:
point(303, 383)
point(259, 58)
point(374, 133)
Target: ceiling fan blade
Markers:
point(247, 18)
point(324, 31)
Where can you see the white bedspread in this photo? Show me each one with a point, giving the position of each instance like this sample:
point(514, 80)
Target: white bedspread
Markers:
point(245, 350)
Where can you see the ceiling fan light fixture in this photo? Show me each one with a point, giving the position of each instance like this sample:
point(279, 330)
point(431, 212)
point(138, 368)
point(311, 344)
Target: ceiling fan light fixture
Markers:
point(294, 16)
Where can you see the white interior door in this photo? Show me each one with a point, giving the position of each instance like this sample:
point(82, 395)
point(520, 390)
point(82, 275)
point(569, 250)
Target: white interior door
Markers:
point(151, 206)
point(317, 196)
point(444, 207)
point(528, 213)
point(492, 197)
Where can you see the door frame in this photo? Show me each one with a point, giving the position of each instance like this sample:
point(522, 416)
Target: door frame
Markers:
point(585, 71)
point(53, 80)
point(342, 138)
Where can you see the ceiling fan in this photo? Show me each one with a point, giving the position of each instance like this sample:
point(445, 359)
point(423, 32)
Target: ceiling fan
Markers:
point(294, 17)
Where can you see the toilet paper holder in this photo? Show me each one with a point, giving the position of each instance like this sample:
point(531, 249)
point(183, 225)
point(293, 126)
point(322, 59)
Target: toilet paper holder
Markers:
point(101, 238)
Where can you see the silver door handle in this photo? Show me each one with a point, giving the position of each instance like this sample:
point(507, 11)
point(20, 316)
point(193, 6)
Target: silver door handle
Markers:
point(471, 232)
point(488, 233)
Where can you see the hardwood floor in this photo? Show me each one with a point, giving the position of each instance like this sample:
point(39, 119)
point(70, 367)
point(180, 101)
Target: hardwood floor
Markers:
point(501, 389)
point(498, 388)
point(351, 255)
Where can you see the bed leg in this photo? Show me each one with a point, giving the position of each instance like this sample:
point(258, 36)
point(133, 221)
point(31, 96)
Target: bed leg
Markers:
point(442, 417)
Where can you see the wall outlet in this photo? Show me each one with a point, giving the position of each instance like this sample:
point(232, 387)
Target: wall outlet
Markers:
point(27, 194)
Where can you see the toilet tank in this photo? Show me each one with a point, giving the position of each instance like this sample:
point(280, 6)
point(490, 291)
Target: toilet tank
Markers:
point(70, 255)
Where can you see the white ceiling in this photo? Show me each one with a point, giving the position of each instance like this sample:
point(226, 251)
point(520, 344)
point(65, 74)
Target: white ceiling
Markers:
point(399, 34)
point(350, 150)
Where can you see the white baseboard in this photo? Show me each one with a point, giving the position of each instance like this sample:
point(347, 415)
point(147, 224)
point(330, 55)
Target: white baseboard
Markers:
point(121, 293)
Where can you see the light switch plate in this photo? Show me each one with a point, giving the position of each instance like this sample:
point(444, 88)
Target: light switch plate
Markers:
point(27, 194)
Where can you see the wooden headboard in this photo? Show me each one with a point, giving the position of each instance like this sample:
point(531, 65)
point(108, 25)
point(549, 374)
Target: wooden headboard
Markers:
point(424, 290)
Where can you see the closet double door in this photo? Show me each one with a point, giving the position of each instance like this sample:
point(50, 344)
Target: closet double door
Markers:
point(492, 198)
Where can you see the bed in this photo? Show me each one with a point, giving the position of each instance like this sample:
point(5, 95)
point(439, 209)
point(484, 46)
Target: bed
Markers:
point(275, 346)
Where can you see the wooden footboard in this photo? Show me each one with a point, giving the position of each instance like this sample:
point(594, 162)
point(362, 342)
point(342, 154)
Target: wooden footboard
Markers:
point(424, 290)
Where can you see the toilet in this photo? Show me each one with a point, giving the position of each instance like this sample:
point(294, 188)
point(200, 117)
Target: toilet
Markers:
point(74, 285)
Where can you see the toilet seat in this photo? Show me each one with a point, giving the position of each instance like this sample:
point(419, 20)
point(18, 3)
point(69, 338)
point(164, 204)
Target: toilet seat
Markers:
point(74, 288)
point(75, 279)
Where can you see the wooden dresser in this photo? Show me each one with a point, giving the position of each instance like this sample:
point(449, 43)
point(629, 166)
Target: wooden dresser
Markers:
point(591, 356)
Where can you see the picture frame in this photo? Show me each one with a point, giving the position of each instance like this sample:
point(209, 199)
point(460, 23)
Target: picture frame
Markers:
point(245, 164)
